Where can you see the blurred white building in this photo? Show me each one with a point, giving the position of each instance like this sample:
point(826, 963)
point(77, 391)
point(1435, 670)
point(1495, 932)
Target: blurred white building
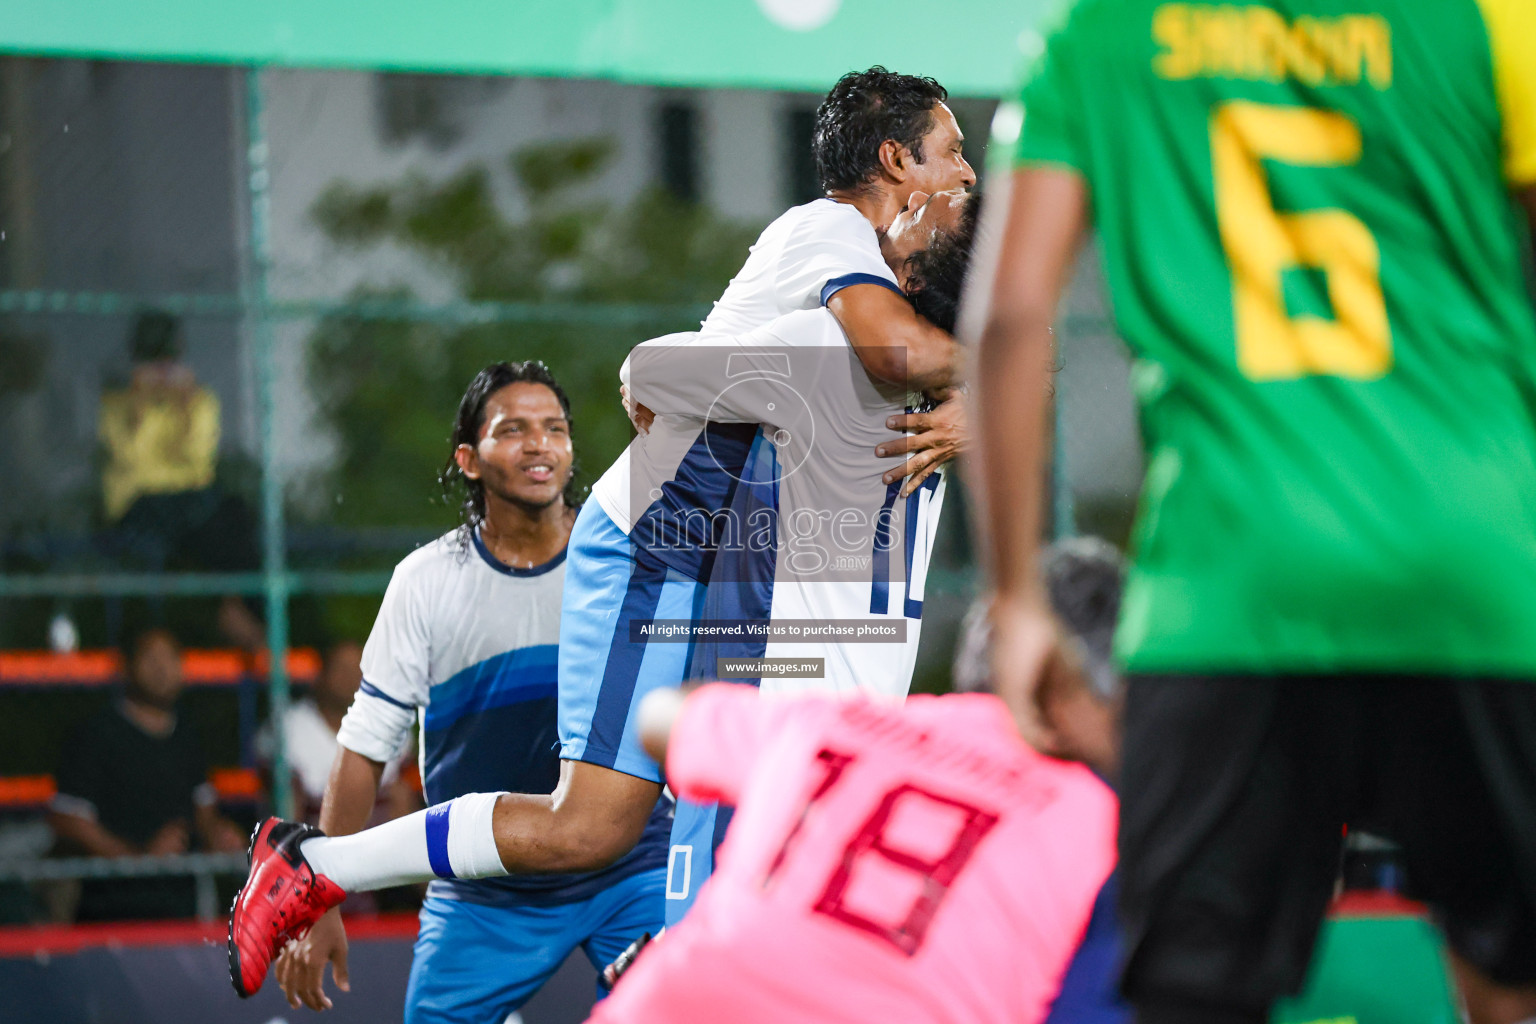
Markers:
point(131, 179)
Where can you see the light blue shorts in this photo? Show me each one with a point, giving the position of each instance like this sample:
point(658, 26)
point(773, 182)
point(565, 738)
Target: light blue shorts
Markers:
point(697, 831)
point(605, 671)
point(476, 964)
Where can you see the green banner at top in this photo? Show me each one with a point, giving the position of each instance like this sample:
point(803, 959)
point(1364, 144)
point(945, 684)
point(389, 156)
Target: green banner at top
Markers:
point(972, 46)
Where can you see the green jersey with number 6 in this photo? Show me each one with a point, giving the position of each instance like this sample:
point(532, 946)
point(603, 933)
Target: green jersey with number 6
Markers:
point(1308, 230)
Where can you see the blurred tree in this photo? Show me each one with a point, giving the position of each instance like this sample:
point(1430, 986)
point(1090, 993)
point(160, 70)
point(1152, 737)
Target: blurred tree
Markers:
point(387, 390)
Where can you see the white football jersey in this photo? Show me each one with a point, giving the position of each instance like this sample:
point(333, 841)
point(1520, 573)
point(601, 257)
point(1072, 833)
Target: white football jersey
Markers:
point(459, 638)
point(469, 646)
point(818, 535)
point(799, 262)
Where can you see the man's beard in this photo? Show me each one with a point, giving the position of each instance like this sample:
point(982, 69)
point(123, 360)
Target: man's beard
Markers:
point(523, 504)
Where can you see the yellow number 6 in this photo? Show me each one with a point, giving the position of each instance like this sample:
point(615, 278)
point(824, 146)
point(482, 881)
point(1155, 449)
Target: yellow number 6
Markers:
point(1261, 243)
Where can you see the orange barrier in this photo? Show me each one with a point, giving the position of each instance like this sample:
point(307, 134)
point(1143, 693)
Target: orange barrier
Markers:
point(22, 791)
point(26, 790)
point(81, 668)
point(102, 668)
point(236, 783)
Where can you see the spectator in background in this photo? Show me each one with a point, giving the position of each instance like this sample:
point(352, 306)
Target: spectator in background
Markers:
point(160, 436)
point(161, 433)
point(133, 780)
point(310, 729)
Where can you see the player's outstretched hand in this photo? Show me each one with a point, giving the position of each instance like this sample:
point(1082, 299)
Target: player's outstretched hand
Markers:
point(1026, 651)
point(657, 715)
point(301, 967)
point(934, 438)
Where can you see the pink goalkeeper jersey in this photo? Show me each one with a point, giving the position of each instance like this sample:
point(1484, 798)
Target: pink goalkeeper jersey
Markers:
point(886, 863)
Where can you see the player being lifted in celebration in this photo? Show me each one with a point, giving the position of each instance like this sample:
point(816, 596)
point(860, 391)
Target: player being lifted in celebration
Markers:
point(806, 531)
point(884, 138)
point(465, 642)
point(815, 417)
point(585, 823)
point(881, 139)
point(914, 863)
point(1306, 216)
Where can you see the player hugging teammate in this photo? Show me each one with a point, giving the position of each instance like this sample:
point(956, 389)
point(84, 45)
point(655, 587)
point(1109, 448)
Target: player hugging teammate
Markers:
point(860, 278)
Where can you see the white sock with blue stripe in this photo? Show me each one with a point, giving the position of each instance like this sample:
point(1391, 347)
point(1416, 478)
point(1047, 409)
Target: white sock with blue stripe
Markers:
point(450, 840)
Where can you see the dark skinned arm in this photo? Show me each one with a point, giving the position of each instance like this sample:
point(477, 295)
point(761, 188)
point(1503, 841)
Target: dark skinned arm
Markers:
point(892, 341)
point(595, 816)
point(349, 799)
point(1045, 217)
point(933, 437)
point(350, 793)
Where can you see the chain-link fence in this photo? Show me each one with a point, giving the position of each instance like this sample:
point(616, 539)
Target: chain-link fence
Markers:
point(284, 279)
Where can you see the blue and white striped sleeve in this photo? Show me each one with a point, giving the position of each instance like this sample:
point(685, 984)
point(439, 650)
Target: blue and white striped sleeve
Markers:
point(396, 670)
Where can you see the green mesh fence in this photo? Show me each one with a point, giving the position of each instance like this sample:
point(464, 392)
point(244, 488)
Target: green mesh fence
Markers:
point(342, 250)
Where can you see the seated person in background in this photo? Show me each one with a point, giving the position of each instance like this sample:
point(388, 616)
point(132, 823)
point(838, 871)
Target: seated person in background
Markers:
point(310, 731)
point(918, 863)
point(133, 780)
point(160, 441)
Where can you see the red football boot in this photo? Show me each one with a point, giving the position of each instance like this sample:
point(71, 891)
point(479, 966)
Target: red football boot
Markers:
point(281, 900)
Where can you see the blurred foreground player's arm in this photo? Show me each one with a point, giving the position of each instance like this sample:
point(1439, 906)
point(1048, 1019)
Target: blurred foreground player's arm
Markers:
point(727, 727)
point(1010, 305)
point(1027, 247)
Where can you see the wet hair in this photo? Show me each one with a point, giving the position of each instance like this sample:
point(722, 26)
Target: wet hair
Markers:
point(935, 275)
point(156, 336)
point(1084, 577)
point(469, 495)
point(863, 110)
